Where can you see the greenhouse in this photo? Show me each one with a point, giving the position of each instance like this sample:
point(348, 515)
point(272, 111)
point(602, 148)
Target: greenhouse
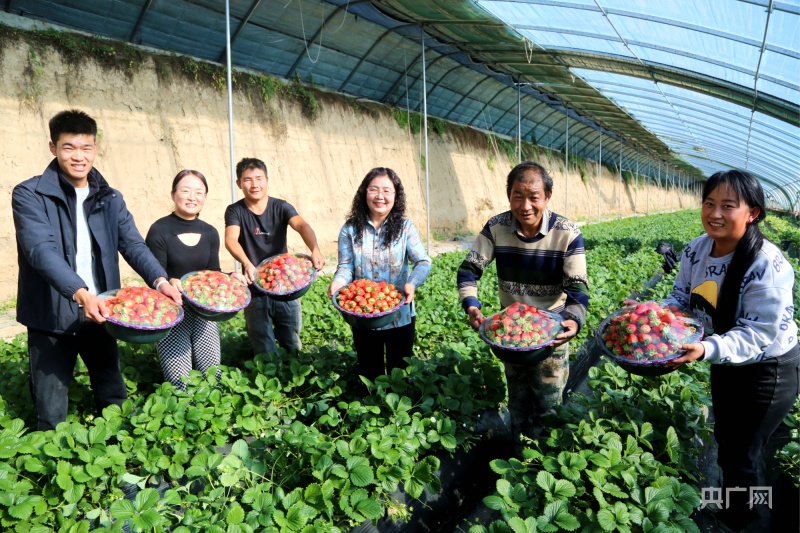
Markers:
point(627, 107)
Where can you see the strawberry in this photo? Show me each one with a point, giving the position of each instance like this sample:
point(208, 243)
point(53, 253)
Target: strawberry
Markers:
point(141, 306)
point(647, 331)
point(285, 274)
point(521, 326)
point(215, 290)
point(368, 297)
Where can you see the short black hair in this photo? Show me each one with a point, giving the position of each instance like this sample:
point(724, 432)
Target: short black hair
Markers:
point(72, 121)
point(249, 163)
point(520, 173)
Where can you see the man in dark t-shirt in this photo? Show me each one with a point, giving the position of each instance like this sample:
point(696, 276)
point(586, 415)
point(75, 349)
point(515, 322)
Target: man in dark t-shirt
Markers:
point(255, 229)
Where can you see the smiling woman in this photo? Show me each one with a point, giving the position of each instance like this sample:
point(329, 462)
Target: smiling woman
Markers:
point(183, 243)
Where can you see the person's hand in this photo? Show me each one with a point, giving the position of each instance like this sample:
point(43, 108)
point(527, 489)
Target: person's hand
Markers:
point(628, 301)
point(175, 282)
point(238, 277)
point(317, 259)
point(409, 289)
point(475, 317)
point(171, 292)
point(249, 273)
point(94, 308)
point(333, 287)
point(569, 331)
point(694, 351)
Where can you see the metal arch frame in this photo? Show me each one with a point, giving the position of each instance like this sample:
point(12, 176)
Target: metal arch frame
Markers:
point(678, 77)
point(429, 64)
point(439, 81)
point(641, 44)
point(139, 20)
point(385, 34)
point(533, 121)
point(659, 20)
point(489, 103)
point(294, 66)
point(241, 26)
point(655, 119)
point(466, 95)
point(404, 73)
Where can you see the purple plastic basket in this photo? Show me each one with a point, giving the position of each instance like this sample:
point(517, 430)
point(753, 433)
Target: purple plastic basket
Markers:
point(367, 321)
point(286, 296)
point(207, 312)
point(523, 354)
point(648, 367)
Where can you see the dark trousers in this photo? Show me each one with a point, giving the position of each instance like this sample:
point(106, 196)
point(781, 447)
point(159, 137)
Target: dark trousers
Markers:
point(372, 344)
point(270, 323)
point(52, 362)
point(749, 404)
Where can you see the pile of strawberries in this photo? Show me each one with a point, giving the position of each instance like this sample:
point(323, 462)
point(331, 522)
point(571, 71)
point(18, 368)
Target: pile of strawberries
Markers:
point(366, 297)
point(142, 306)
point(649, 331)
point(215, 290)
point(521, 326)
point(285, 274)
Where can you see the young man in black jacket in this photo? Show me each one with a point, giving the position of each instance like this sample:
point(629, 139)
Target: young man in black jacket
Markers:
point(70, 225)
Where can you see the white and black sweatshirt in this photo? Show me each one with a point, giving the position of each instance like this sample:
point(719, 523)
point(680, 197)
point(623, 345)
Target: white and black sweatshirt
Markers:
point(764, 326)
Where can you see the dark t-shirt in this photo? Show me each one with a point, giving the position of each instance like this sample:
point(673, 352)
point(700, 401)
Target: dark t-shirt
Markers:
point(176, 257)
point(261, 236)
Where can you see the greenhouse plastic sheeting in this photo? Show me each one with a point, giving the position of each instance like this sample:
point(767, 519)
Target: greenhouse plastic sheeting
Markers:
point(690, 87)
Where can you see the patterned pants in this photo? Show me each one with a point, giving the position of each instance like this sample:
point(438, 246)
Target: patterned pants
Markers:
point(193, 338)
point(533, 390)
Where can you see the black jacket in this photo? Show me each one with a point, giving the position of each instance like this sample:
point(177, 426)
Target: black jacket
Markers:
point(43, 209)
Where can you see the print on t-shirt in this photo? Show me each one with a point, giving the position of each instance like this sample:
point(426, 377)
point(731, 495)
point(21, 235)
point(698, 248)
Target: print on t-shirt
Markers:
point(703, 302)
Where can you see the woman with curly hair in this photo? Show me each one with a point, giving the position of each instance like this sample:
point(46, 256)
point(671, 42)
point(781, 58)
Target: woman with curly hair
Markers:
point(377, 243)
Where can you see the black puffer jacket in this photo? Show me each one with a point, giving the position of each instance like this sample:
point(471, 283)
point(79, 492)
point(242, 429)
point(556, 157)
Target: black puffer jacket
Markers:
point(43, 208)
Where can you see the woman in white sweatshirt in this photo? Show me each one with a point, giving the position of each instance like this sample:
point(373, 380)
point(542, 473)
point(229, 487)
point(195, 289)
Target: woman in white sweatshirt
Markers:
point(740, 285)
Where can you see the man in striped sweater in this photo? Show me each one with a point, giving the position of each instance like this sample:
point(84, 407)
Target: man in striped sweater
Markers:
point(541, 261)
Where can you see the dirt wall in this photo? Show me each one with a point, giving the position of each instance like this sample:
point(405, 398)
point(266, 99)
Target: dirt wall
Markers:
point(152, 128)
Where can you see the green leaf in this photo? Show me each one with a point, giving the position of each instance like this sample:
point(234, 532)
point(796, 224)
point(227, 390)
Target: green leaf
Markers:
point(546, 481)
point(564, 489)
point(74, 494)
point(673, 444)
point(146, 499)
point(235, 515)
point(122, 509)
point(495, 503)
point(370, 508)
point(147, 520)
point(361, 473)
point(518, 525)
point(22, 510)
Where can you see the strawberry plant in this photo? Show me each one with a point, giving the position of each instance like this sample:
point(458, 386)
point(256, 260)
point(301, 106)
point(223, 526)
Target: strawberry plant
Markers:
point(141, 306)
point(285, 273)
point(215, 290)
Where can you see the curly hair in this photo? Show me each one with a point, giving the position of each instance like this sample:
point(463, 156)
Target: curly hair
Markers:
point(359, 211)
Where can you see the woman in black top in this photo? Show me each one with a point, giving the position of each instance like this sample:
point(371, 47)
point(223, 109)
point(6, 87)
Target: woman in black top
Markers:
point(183, 243)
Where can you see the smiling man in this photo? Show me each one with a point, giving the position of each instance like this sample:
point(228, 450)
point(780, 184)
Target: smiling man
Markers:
point(71, 227)
point(255, 229)
point(540, 261)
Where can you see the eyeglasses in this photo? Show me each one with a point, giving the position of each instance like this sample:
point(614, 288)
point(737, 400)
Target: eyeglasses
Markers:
point(373, 191)
point(188, 192)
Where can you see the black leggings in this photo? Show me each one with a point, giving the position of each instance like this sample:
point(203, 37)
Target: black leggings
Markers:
point(371, 344)
point(749, 404)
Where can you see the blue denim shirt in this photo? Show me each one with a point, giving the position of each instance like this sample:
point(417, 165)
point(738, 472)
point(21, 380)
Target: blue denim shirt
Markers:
point(369, 260)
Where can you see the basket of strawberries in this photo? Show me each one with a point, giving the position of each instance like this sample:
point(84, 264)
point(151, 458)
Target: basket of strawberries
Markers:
point(213, 295)
point(140, 315)
point(521, 333)
point(367, 304)
point(643, 338)
point(285, 277)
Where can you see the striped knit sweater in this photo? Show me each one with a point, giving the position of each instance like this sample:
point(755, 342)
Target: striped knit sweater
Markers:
point(547, 270)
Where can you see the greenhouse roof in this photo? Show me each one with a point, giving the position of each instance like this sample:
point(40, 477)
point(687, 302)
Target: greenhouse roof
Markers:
point(678, 89)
